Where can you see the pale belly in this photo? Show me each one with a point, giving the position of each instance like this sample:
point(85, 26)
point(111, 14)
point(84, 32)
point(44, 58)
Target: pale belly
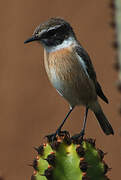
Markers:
point(77, 91)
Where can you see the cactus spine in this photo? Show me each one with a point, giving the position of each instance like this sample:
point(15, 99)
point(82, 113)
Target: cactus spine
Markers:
point(69, 159)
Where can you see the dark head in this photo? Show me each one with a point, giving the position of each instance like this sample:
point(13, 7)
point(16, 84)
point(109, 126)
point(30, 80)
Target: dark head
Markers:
point(52, 33)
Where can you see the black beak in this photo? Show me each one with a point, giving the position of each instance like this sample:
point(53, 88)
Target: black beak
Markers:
point(33, 38)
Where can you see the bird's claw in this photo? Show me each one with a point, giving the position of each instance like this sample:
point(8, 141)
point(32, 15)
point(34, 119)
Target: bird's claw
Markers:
point(53, 137)
point(78, 138)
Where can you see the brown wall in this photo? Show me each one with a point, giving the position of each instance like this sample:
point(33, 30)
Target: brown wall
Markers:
point(29, 106)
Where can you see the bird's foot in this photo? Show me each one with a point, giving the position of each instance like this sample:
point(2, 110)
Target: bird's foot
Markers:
point(78, 138)
point(53, 137)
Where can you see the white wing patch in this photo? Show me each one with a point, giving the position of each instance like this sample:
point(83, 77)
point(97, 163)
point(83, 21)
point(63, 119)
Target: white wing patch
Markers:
point(83, 64)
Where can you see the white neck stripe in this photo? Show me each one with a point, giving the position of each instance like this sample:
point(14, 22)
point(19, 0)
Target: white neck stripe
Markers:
point(66, 43)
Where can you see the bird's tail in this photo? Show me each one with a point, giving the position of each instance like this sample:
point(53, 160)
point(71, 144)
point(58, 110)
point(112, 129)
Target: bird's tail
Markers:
point(103, 121)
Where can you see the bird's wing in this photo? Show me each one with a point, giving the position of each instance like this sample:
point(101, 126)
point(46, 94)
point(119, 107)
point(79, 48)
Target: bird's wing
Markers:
point(90, 70)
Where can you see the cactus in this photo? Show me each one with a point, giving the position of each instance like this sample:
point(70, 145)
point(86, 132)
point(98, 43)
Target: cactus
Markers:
point(69, 159)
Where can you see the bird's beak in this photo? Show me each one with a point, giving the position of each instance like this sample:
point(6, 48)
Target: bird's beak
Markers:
point(33, 38)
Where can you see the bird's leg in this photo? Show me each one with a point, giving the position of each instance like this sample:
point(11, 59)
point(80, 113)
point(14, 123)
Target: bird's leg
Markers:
point(52, 137)
point(82, 133)
point(67, 115)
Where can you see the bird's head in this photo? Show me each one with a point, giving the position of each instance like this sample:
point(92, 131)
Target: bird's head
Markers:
point(52, 33)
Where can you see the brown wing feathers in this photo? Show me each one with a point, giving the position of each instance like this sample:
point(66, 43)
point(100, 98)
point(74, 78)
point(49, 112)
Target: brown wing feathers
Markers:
point(84, 55)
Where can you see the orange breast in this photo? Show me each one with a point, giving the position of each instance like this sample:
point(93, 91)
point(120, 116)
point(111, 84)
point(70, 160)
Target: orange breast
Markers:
point(68, 76)
point(63, 62)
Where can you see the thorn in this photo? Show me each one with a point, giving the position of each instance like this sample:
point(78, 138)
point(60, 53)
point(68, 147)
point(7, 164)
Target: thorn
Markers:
point(80, 151)
point(78, 145)
point(51, 159)
point(40, 149)
point(59, 139)
point(44, 144)
point(52, 152)
point(51, 138)
point(82, 159)
point(55, 145)
point(77, 139)
point(49, 166)
point(34, 173)
point(48, 173)
point(84, 174)
point(37, 158)
point(64, 133)
point(67, 138)
point(31, 165)
point(35, 164)
point(91, 141)
point(101, 153)
point(106, 168)
point(36, 148)
point(83, 166)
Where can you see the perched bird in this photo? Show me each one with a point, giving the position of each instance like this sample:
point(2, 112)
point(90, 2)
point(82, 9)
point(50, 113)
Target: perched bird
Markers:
point(70, 70)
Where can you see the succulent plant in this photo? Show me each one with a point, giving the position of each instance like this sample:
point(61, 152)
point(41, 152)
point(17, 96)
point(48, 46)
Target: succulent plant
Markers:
point(69, 158)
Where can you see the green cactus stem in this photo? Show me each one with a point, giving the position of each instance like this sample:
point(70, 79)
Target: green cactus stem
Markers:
point(69, 159)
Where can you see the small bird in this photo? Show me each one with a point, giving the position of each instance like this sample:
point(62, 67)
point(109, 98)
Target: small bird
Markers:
point(70, 71)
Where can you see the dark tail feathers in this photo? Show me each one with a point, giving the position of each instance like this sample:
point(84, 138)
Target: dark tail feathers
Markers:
point(100, 93)
point(104, 123)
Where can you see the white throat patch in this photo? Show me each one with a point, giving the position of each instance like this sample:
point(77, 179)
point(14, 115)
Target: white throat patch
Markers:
point(66, 43)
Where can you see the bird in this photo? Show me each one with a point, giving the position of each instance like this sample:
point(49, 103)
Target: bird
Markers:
point(70, 71)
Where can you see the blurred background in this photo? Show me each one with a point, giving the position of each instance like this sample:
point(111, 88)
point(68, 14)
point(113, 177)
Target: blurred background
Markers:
point(30, 107)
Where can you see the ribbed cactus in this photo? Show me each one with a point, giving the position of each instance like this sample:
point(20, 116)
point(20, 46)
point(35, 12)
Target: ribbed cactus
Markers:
point(69, 159)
